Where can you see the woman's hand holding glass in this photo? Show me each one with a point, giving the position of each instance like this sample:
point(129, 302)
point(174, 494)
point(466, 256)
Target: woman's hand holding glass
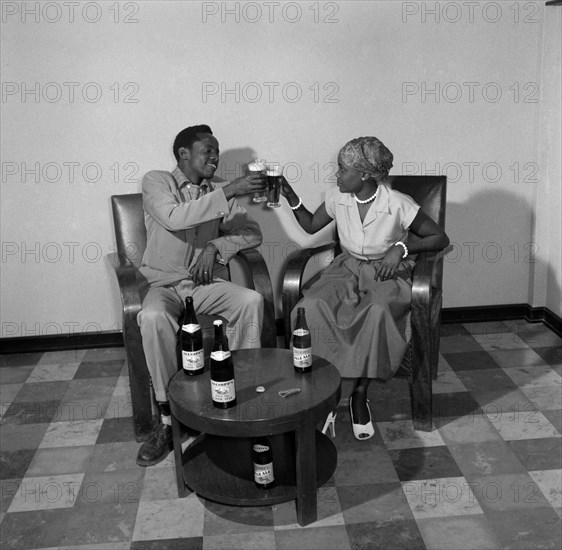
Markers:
point(288, 192)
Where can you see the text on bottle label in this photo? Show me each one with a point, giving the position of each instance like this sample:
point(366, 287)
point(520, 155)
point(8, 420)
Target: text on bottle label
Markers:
point(223, 392)
point(193, 360)
point(263, 473)
point(302, 357)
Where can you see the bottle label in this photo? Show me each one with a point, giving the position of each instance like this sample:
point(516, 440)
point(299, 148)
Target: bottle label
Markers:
point(191, 328)
point(260, 448)
point(193, 360)
point(263, 473)
point(220, 355)
point(223, 392)
point(301, 332)
point(302, 357)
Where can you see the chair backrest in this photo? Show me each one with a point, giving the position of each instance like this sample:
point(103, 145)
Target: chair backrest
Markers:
point(130, 231)
point(430, 192)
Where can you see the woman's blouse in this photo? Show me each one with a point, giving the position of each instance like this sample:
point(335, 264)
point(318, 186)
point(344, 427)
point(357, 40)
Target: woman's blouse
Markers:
point(386, 222)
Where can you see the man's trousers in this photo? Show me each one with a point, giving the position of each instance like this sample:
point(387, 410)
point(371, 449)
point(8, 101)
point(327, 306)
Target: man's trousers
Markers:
point(161, 310)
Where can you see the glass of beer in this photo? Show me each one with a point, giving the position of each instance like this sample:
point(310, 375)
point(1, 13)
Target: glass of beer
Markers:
point(274, 174)
point(257, 166)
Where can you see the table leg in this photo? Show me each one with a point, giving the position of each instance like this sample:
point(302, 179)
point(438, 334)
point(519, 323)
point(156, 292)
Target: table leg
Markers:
point(176, 437)
point(306, 471)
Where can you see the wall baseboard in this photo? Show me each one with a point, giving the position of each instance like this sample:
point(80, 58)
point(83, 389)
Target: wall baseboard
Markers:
point(61, 342)
point(483, 314)
point(508, 312)
point(111, 339)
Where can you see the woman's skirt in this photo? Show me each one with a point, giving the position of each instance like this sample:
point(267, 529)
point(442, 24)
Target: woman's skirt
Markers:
point(358, 324)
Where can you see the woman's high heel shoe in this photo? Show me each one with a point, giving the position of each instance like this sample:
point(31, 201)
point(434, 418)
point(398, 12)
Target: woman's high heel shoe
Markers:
point(361, 431)
point(330, 424)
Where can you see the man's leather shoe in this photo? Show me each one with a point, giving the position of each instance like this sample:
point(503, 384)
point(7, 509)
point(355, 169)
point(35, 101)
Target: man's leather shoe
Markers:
point(157, 447)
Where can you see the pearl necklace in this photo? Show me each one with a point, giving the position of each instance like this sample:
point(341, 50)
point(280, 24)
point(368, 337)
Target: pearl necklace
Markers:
point(359, 201)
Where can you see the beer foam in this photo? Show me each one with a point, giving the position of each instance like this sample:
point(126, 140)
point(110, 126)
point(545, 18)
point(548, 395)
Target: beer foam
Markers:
point(256, 166)
point(275, 172)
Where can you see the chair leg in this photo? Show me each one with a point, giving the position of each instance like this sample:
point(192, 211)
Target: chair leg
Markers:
point(420, 393)
point(143, 417)
point(421, 384)
point(141, 393)
point(436, 334)
point(178, 461)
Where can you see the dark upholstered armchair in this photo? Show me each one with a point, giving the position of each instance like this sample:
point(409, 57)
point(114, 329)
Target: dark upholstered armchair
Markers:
point(130, 233)
point(422, 355)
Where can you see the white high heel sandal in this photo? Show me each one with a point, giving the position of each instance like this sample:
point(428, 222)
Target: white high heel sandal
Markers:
point(330, 424)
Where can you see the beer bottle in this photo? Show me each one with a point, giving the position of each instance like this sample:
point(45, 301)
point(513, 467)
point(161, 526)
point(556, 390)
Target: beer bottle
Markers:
point(223, 390)
point(302, 344)
point(191, 341)
point(263, 463)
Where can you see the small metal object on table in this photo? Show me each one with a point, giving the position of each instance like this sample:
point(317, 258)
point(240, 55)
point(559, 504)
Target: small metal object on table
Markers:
point(218, 464)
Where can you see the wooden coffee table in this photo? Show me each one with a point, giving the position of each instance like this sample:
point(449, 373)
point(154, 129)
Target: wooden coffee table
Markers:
point(218, 464)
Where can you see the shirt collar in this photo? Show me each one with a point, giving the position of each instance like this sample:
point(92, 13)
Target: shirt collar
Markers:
point(380, 204)
point(182, 180)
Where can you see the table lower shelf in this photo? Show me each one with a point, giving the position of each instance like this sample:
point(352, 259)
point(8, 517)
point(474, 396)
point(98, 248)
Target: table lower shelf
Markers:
point(221, 468)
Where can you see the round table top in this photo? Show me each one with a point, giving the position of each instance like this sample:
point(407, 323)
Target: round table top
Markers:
point(257, 413)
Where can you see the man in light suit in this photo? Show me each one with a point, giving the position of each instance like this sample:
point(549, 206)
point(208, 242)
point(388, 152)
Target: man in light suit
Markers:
point(194, 227)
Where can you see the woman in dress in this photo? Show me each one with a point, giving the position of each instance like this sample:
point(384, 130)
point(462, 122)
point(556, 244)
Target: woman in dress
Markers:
point(357, 310)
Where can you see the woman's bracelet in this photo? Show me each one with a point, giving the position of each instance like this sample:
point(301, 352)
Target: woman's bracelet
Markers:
point(299, 204)
point(400, 243)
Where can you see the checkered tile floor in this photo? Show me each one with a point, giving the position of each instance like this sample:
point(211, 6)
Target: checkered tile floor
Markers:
point(488, 476)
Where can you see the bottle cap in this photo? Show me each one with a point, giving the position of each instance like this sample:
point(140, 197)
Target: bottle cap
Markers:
point(260, 389)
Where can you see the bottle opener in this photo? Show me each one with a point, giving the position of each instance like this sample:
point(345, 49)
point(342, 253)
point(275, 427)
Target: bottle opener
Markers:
point(287, 393)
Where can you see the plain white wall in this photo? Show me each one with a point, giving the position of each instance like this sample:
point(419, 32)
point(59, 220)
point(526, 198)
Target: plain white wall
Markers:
point(547, 223)
point(93, 98)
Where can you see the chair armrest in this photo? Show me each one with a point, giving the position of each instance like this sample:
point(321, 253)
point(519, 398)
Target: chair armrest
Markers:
point(126, 274)
point(261, 282)
point(426, 282)
point(423, 275)
point(139, 378)
point(426, 312)
point(292, 281)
